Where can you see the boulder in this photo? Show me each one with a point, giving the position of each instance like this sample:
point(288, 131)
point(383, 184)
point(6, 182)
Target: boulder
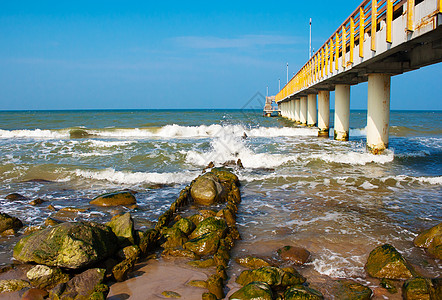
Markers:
point(15, 196)
point(13, 285)
point(418, 289)
point(206, 189)
point(37, 201)
point(225, 175)
point(208, 296)
point(185, 225)
point(252, 291)
point(202, 263)
point(179, 253)
point(215, 286)
point(210, 225)
point(121, 270)
point(7, 222)
point(425, 238)
point(435, 247)
point(252, 262)
point(174, 238)
point(389, 285)
point(206, 244)
point(44, 277)
point(227, 215)
point(114, 199)
point(386, 262)
point(34, 294)
point(272, 276)
point(346, 289)
point(300, 292)
point(67, 245)
point(296, 255)
point(198, 283)
point(82, 286)
point(123, 227)
point(129, 252)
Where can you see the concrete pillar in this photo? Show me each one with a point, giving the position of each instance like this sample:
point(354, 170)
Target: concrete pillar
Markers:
point(303, 111)
point(297, 110)
point(312, 114)
point(323, 113)
point(342, 112)
point(283, 109)
point(292, 109)
point(378, 112)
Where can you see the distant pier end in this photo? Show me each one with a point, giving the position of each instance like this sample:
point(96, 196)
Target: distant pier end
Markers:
point(378, 40)
point(270, 108)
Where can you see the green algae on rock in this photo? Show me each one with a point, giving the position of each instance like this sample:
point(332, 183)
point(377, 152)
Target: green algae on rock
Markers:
point(123, 227)
point(254, 290)
point(44, 277)
point(225, 174)
point(252, 262)
point(432, 240)
point(185, 225)
point(209, 225)
point(86, 285)
point(174, 238)
point(7, 222)
point(206, 244)
point(300, 292)
point(171, 294)
point(206, 189)
point(68, 245)
point(386, 262)
point(419, 288)
point(272, 276)
point(351, 290)
point(114, 199)
point(12, 285)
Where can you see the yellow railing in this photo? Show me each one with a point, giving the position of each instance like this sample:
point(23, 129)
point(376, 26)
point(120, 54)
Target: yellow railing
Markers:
point(364, 19)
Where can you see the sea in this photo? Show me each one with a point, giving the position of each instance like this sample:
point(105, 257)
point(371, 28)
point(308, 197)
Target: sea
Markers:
point(331, 197)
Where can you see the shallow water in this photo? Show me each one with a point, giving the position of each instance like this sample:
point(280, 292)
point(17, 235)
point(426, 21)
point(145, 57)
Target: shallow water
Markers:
point(331, 197)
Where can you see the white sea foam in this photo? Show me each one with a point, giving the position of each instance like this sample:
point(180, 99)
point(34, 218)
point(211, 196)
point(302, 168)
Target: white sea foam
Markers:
point(108, 144)
point(125, 177)
point(430, 180)
point(358, 131)
point(355, 157)
point(37, 133)
point(335, 265)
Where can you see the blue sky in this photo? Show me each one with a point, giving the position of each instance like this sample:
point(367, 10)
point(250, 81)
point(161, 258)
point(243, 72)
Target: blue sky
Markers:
point(170, 54)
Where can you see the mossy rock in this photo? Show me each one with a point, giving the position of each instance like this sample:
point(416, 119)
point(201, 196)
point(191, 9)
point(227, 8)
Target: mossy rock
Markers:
point(252, 262)
point(227, 215)
point(15, 196)
point(171, 294)
point(225, 175)
point(272, 276)
point(114, 199)
point(425, 238)
point(175, 238)
point(179, 253)
point(208, 296)
point(13, 285)
point(79, 134)
point(206, 189)
point(7, 222)
point(299, 292)
point(435, 247)
point(44, 277)
point(206, 244)
point(215, 286)
point(209, 225)
point(207, 263)
point(123, 227)
point(418, 289)
point(185, 225)
point(388, 285)
point(351, 290)
point(386, 262)
point(129, 252)
point(198, 283)
point(254, 290)
point(68, 245)
point(121, 270)
point(83, 286)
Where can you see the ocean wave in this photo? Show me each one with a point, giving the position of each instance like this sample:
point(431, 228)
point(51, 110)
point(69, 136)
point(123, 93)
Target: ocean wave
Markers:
point(354, 157)
point(37, 133)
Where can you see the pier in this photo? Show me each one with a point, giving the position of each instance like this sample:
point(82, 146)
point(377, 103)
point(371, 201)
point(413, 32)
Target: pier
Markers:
point(378, 40)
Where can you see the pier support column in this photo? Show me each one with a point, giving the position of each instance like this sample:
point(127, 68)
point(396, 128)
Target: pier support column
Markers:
point(323, 113)
point(303, 111)
point(378, 112)
point(297, 104)
point(312, 114)
point(292, 109)
point(342, 112)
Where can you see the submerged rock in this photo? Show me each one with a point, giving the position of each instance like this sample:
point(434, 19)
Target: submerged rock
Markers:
point(7, 222)
point(37, 201)
point(299, 292)
point(79, 133)
point(67, 245)
point(386, 262)
point(252, 262)
point(351, 290)
point(272, 276)
point(297, 255)
point(123, 227)
point(225, 175)
point(114, 199)
point(253, 290)
point(44, 277)
point(34, 294)
point(15, 196)
point(13, 285)
point(432, 240)
point(206, 189)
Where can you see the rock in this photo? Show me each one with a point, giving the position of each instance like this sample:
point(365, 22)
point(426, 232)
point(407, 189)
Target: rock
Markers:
point(9, 232)
point(7, 222)
point(44, 277)
point(227, 215)
point(204, 245)
point(185, 225)
point(82, 286)
point(123, 227)
point(225, 175)
point(34, 294)
point(351, 290)
point(121, 270)
point(13, 285)
point(66, 214)
point(206, 189)
point(37, 201)
point(129, 252)
point(15, 196)
point(198, 283)
point(171, 294)
point(67, 245)
point(174, 238)
point(79, 134)
point(299, 292)
point(418, 289)
point(114, 199)
point(208, 296)
point(388, 285)
point(272, 276)
point(435, 247)
point(252, 262)
point(179, 253)
point(50, 207)
point(386, 262)
point(52, 222)
point(207, 213)
point(202, 263)
point(296, 255)
point(253, 291)
point(215, 286)
point(31, 229)
point(148, 241)
point(196, 219)
point(209, 225)
point(425, 238)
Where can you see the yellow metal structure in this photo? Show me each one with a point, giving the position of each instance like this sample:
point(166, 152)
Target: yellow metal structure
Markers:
point(439, 6)
point(389, 19)
point(337, 52)
point(352, 38)
point(344, 45)
point(331, 56)
point(361, 31)
point(410, 13)
point(374, 23)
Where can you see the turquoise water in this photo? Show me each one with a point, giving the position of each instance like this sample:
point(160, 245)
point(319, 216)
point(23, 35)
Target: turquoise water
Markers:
point(331, 197)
